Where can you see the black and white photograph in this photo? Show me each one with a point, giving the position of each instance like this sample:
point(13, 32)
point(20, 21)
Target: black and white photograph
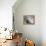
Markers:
point(29, 19)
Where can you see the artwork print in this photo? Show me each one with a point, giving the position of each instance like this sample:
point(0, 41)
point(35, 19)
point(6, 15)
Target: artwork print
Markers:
point(29, 19)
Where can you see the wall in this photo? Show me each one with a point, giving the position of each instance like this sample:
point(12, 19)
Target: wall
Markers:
point(43, 22)
point(28, 7)
point(6, 13)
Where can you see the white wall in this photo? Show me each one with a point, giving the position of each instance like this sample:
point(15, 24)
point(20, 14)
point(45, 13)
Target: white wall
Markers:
point(29, 7)
point(6, 13)
point(37, 8)
point(43, 22)
point(6, 18)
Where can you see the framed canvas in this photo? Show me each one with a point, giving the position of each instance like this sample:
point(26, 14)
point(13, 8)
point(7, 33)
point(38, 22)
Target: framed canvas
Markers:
point(29, 19)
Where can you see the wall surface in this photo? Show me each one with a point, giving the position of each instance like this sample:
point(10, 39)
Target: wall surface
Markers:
point(28, 7)
point(6, 13)
point(43, 22)
point(6, 16)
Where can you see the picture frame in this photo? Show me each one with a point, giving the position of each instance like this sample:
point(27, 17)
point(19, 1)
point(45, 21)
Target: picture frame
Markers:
point(29, 19)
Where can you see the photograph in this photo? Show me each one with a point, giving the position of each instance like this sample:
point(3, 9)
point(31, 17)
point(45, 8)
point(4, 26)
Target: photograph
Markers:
point(29, 19)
